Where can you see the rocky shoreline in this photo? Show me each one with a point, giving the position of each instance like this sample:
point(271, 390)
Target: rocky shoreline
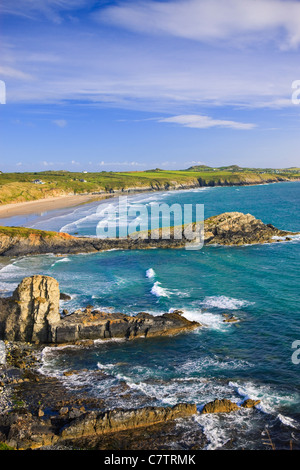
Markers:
point(37, 411)
point(230, 228)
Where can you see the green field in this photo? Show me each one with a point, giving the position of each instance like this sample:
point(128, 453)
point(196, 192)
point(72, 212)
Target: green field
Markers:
point(20, 187)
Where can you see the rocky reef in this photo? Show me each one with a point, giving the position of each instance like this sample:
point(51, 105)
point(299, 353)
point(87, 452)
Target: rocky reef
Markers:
point(229, 228)
point(32, 315)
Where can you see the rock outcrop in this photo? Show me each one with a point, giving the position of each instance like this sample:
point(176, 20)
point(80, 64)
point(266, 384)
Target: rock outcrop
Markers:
point(250, 403)
point(118, 420)
point(34, 307)
point(220, 406)
point(230, 228)
point(32, 315)
point(226, 406)
point(26, 431)
point(236, 228)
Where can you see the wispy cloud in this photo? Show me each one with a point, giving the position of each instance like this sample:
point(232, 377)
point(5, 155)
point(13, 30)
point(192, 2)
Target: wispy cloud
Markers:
point(60, 122)
point(211, 20)
point(204, 122)
point(11, 72)
point(122, 164)
point(33, 9)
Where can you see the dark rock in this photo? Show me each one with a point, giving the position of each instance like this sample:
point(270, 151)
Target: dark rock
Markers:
point(64, 296)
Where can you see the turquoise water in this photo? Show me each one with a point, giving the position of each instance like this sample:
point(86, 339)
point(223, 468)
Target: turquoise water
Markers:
point(258, 284)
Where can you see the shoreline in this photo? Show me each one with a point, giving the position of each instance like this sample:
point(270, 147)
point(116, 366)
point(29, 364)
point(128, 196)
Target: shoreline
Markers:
point(47, 204)
point(64, 202)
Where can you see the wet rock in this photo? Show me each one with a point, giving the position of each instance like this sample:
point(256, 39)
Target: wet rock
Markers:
point(102, 325)
point(220, 406)
point(229, 318)
point(64, 297)
point(117, 420)
point(249, 403)
point(32, 315)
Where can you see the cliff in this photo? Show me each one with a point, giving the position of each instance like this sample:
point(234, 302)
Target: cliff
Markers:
point(230, 228)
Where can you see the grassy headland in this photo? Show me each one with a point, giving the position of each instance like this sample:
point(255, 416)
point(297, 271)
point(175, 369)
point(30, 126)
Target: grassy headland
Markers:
point(22, 187)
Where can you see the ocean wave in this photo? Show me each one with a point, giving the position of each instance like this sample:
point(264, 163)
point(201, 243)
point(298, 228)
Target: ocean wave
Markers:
point(159, 291)
point(8, 287)
point(227, 303)
point(150, 273)
point(207, 319)
point(209, 362)
point(271, 400)
point(10, 270)
point(63, 260)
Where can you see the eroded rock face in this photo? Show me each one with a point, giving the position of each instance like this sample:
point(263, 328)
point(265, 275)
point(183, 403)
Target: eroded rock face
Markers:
point(118, 420)
point(32, 315)
point(32, 310)
point(91, 325)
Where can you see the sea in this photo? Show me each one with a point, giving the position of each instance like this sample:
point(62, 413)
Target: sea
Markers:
point(255, 357)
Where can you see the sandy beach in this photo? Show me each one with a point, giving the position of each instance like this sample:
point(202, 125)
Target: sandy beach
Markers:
point(45, 205)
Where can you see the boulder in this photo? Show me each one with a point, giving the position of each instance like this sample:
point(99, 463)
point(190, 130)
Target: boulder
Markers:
point(64, 297)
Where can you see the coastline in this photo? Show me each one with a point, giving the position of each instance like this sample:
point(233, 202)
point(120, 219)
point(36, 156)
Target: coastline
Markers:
point(64, 202)
point(47, 204)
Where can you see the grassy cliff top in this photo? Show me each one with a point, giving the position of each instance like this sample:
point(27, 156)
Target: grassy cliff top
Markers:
point(23, 232)
point(22, 187)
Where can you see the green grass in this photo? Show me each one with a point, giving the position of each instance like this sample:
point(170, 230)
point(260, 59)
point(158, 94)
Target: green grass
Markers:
point(22, 232)
point(19, 187)
point(4, 446)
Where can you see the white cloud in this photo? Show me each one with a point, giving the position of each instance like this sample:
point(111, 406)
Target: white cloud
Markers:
point(126, 163)
point(204, 122)
point(51, 9)
point(11, 72)
point(210, 20)
point(60, 122)
point(140, 72)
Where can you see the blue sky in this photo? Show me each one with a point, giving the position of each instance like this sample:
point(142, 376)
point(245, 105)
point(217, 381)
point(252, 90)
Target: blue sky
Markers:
point(132, 85)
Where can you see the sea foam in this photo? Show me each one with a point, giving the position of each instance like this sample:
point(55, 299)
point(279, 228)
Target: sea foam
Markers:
point(159, 291)
point(228, 303)
point(150, 273)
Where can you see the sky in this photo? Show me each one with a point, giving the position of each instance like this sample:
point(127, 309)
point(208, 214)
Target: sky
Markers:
point(96, 85)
